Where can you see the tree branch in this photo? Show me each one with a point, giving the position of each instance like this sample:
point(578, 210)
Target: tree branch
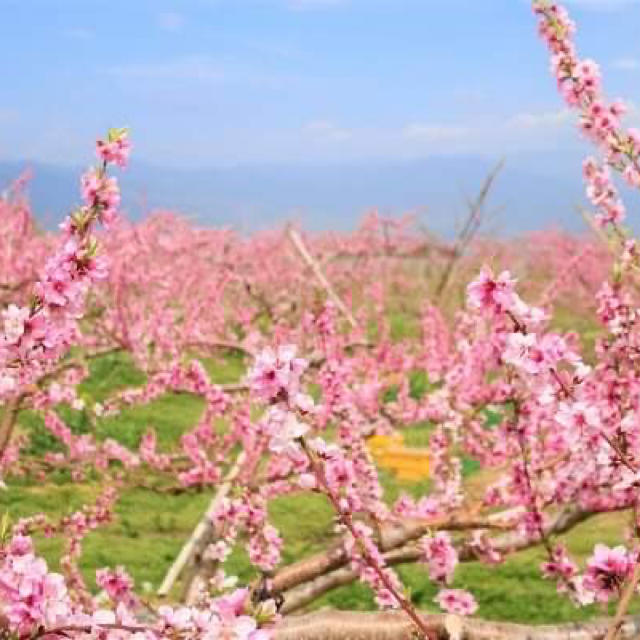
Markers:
point(312, 588)
point(394, 625)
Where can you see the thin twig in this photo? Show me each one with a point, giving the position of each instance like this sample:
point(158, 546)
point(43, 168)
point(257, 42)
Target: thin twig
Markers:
point(8, 423)
point(471, 226)
point(312, 263)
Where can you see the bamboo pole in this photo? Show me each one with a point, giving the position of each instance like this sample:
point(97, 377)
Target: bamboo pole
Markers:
point(312, 263)
point(201, 535)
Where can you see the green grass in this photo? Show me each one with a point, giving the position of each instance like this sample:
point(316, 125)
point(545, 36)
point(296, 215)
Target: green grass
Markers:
point(150, 528)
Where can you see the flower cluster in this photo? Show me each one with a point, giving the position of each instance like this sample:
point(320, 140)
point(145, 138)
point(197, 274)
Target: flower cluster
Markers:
point(35, 602)
point(457, 601)
point(440, 556)
point(276, 374)
point(607, 570)
point(580, 84)
point(35, 335)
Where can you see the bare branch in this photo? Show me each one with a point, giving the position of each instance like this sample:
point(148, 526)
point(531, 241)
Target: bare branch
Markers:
point(470, 228)
point(9, 419)
point(392, 536)
point(222, 345)
point(312, 263)
point(307, 592)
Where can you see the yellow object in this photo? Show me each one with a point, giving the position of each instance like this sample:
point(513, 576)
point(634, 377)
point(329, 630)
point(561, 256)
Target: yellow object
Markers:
point(382, 443)
point(407, 463)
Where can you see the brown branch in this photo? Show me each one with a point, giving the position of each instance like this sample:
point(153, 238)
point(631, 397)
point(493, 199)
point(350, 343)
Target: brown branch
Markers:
point(392, 536)
point(623, 606)
point(231, 387)
point(88, 629)
point(11, 287)
point(394, 625)
point(312, 588)
point(9, 419)
point(469, 230)
point(261, 300)
point(75, 363)
point(379, 569)
point(317, 361)
point(222, 345)
point(234, 387)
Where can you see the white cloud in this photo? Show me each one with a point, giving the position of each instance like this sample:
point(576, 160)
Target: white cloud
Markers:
point(546, 119)
point(323, 130)
point(626, 64)
point(435, 132)
point(535, 130)
point(170, 21)
point(193, 68)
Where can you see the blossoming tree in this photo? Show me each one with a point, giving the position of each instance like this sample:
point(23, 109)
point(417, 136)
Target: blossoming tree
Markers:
point(558, 429)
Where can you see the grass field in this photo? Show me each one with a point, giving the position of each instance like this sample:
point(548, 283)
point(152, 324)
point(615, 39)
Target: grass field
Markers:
point(150, 528)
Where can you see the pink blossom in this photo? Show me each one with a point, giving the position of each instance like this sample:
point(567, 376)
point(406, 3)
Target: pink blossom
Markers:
point(286, 430)
point(14, 323)
point(607, 570)
point(118, 585)
point(523, 351)
point(276, 374)
point(440, 555)
point(578, 415)
point(456, 601)
point(560, 567)
point(116, 149)
point(490, 293)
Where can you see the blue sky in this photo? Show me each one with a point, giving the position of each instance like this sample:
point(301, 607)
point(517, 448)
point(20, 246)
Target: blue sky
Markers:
point(219, 82)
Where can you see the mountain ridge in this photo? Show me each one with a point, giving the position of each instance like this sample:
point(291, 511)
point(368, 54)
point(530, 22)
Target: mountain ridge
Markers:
point(526, 194)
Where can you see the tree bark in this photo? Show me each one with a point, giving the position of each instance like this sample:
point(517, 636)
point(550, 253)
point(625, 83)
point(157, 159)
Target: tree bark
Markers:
point(347, 625)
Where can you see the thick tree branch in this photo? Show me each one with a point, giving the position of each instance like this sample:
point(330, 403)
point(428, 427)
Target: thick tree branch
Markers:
point(306, 592)
point(392, 625)
point(392, 536)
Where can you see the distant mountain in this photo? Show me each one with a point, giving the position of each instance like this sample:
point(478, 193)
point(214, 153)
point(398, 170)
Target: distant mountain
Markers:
point(530, 193)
